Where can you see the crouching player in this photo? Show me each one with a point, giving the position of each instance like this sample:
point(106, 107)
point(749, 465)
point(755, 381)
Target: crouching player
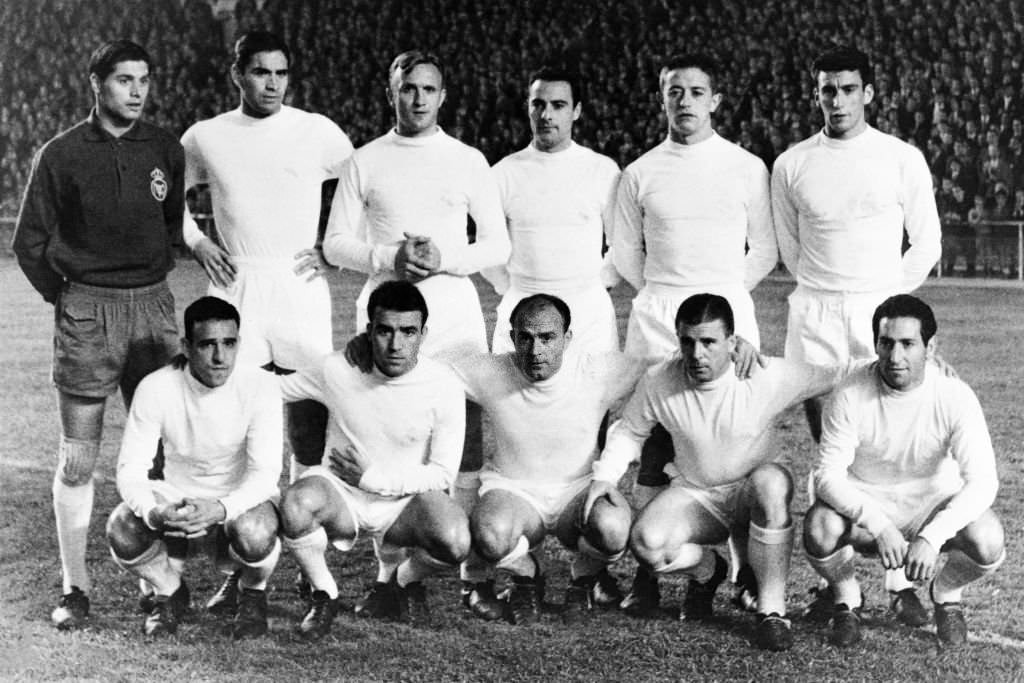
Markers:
point(906, 469)
point(394, 440)
point(725, 476)
point(221, 432)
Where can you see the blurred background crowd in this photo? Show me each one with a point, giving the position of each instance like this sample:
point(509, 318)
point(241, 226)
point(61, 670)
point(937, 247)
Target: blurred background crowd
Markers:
point(948, 77)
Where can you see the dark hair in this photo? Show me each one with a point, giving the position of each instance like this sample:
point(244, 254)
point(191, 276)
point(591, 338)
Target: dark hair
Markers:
point(252, 42)
point(397, 295)
point(905, 306)
point(559, 73)
point(705, 63)
point(110, 54)
point(705, 308)
point(208, 308)
point(537, 301)
point(410, 59)
point(844, 58)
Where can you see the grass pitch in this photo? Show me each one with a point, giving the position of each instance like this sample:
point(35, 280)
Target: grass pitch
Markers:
point(977, 330)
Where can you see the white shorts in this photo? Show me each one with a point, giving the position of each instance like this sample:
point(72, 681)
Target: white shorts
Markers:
point(593, 325)
point(285, 319)
point(912, 504)
point(455, 322)
point(651, 332)
point(830, 328)
point(371, 513)
point(549, 500)
point(722, 502)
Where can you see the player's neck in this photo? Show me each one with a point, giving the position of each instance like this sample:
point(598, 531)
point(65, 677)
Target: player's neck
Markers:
point(114, 125)
point(681, 138)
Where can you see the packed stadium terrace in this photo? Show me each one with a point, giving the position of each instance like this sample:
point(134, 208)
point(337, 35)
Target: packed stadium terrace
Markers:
point(948, 77)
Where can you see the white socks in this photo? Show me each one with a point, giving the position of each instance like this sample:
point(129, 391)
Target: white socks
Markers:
point(769, 551)
point(309, 552)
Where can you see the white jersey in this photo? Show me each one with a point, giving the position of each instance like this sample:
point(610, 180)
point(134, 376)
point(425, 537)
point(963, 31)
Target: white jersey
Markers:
point(222, 443)
point(685, 216)
point(841, 207)
point(720, 429)
point(922, 438)
point(546, 432)
point(556, 205)
point(265, 177)
point(411, 426)
point(422, 186)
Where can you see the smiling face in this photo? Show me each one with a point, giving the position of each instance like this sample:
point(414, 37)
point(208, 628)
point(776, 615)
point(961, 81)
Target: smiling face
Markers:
point(417, 97)
point(706, 350)
point(843, 97)
point(212, 351)
point(121, 96)
point(902, 353)
point(552, 113)
point(263, 83)
point(540, 339)
point(689, 102)
point(395, 338)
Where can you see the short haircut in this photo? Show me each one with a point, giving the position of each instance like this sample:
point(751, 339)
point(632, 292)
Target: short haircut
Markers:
point(905, 306)
point(252, 42)
point(108, 55)
point(844, 58)
point(208, 308)
point(537, 301)
point(410, 59)
point(558, 73)
point(706, 308)
point(397, 295)
point(705, 63)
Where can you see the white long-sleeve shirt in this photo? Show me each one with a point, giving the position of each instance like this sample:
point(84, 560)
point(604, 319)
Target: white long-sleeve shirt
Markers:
point(420, 185)
point(222, 443)
point(265, 177)
point(840, 209)
point(685, 214)
point(928, 435)
point(546, 432)
point(721, 430)
point(411, 426)
point(557, 206)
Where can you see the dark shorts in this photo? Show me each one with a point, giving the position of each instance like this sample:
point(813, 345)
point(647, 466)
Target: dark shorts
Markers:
point(105, 338)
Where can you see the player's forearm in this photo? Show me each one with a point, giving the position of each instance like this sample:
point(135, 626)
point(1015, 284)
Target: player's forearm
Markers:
point(834, 489)
point(622, 448)
point(133, 483)
point(490, 250)
point(918, 262)
point(407, 480)
point(967, 505)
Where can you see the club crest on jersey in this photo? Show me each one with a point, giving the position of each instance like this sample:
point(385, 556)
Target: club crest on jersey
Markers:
point(157, 184)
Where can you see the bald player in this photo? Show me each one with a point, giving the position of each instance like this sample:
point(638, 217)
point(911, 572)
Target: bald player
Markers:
point(265, 163)
point(401, 212)
point(557, 197)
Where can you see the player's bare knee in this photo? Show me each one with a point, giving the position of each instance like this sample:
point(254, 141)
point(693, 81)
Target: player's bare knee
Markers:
point(300, 505)
point(772, 489)
point(449, 543)
point(493, 537)
point(823, 529)
point(983, 540)
point(127, 535)
point(608, 527)
point(647, 543)
point(253, 533)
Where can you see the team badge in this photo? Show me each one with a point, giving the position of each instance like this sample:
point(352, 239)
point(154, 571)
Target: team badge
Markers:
point(157, 184)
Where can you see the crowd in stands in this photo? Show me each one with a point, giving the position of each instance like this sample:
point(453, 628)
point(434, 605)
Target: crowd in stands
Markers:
point(948, 77)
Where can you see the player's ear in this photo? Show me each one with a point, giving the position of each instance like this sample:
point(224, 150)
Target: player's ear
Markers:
point(869, 93)
point(931, 348)
point(444, 94)
point(716, 99)
point(236, 76)
point(94, 83)
point(576, 111)
point(568, 336)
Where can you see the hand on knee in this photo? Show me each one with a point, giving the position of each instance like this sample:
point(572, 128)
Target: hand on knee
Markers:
point(76, 460)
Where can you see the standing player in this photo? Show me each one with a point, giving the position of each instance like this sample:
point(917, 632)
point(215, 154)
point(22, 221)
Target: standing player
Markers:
point(557, 197)
point(692, 215)
point(265, 163)
point(906, 469)
point(102, 209)
point(726, 478)
point(401, 212)
point(221, 432)
point(842, 201)
point(395, 435)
